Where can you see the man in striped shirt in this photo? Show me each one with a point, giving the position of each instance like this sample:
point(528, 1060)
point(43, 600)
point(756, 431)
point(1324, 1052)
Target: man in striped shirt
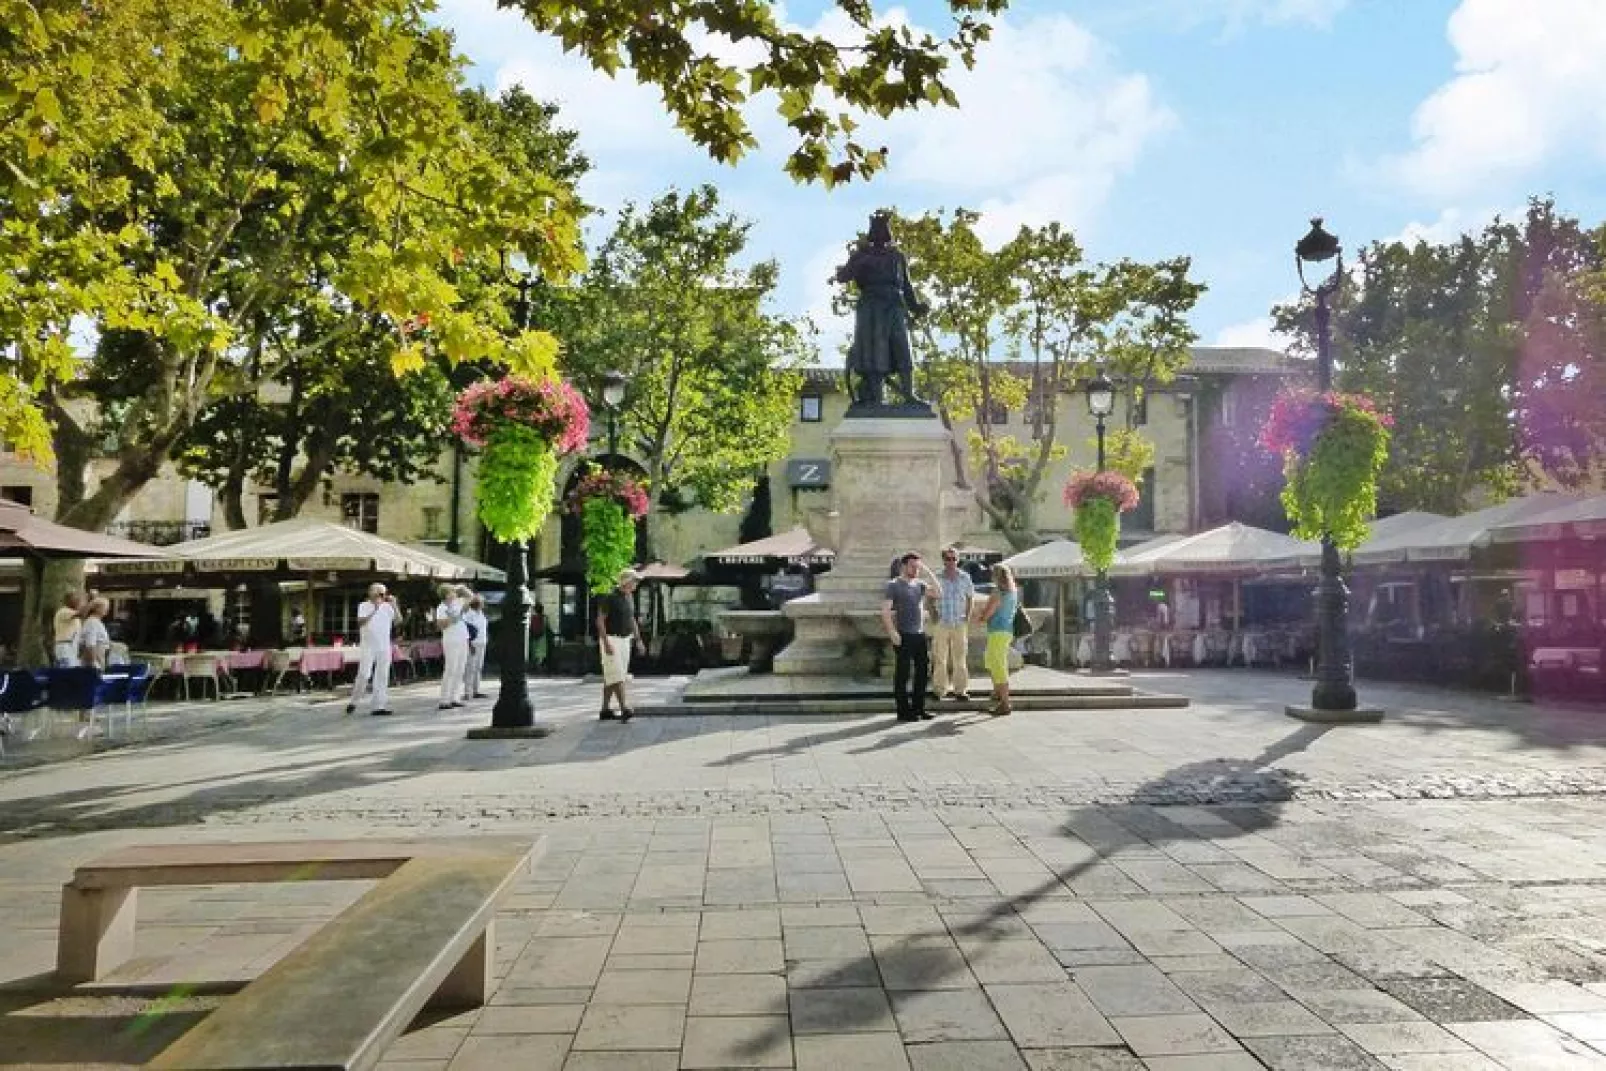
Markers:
point(950, 677)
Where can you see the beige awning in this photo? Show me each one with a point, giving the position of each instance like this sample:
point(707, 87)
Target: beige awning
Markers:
point(796, 547)
point(1055, 559)
point(302, 545)
point(1576, 520)
point(1231, 550)
point(1455, 538)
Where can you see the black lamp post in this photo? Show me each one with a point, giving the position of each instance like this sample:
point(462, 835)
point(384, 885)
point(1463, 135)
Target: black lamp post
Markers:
point(613, 396)
point(1333, 694)
point(1101, 403)
point(514, 714)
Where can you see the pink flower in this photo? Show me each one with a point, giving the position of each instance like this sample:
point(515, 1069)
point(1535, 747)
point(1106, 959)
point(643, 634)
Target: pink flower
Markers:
point(607, 483)
point(1107, 485)
point(552, 408)
point(1299, 415)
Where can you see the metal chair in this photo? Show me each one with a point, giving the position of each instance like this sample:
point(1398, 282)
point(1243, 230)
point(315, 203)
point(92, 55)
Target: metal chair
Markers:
point(80, 690)
point(202, 667)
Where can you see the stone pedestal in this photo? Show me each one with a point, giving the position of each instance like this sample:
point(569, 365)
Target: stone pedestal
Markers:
point(889, 497)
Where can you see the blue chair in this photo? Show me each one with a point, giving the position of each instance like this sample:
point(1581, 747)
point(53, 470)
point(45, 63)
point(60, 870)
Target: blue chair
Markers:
point(80, 689)
point(21, 692)
point(129, 683)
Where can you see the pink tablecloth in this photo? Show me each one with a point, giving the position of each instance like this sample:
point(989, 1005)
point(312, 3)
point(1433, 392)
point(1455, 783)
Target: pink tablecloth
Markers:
point(323, 660)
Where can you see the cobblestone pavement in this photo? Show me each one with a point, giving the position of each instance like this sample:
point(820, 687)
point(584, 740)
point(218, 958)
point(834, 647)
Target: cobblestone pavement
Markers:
point(1210, 888)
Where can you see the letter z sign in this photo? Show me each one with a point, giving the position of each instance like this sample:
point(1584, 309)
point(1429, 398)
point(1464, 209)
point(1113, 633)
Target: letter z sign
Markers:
point(808, 472)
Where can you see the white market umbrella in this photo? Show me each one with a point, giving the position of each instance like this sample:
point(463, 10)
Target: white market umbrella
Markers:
point(1455, 538)
point(1231, 550)
point(1575, 520)
point(1055, 560)
point(1384, 532)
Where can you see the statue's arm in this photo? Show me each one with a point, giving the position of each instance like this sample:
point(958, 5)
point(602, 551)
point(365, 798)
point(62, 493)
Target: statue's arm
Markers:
point(849, 272)
point(910, 297)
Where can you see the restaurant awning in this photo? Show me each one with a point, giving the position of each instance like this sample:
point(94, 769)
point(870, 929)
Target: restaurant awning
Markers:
point(1056, 559)
point(794, 547)
point(1455, 538)
point(1385, 531)
point(1575, 520)
point(478, 570)
point(26, 535)
point(1231, 550)
point(288, 549)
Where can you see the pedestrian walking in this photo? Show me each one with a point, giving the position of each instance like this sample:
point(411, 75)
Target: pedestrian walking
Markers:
point(478, 634)
point(999, 616)
point(950, 636)
point(454, 645)
point(903, 614)
point(617, 634)
point(65, 626)
point(376, 616)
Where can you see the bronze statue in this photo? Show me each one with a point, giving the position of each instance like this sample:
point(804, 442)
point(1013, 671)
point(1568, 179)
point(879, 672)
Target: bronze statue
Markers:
point(881, 317)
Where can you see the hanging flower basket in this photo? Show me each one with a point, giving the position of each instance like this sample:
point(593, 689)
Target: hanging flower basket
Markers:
point(1333, 448)
point(609, 504)
point(522, 427)
point(1099, 499)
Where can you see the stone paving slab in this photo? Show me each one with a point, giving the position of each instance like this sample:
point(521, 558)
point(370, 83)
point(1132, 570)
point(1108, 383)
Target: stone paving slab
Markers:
point(1045, 892)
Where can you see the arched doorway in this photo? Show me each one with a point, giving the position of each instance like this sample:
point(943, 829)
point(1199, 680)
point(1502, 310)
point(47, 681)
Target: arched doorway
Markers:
point(574, 600)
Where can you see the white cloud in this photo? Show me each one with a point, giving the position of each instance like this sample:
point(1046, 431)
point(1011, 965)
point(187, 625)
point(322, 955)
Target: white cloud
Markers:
point(1528, 86)
point(1047, 123)
point(1256, 333)
point(1451, 224)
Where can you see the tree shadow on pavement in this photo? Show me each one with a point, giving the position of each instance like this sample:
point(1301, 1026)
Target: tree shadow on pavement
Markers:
point(1229, 782)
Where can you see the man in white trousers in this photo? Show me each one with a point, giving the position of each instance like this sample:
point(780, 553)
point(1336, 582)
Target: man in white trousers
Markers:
point(375, 616)
point(454, 645)
point(478, 625)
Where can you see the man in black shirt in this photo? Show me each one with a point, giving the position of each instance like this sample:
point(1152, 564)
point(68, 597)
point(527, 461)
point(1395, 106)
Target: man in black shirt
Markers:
point(617, 634)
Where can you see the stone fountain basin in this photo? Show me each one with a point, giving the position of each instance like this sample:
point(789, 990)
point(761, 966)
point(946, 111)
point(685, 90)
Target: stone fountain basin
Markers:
point(756, 624)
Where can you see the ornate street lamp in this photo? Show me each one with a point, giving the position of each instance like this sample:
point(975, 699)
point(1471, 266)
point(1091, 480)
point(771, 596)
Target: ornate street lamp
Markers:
point(613, 396)
point(514, 714)
point(1100, 404)
point(1334, 689)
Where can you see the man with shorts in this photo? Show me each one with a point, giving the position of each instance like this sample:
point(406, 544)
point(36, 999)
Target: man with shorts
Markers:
point(617, 634)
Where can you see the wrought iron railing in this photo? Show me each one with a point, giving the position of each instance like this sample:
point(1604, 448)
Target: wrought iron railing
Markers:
point(160, 533)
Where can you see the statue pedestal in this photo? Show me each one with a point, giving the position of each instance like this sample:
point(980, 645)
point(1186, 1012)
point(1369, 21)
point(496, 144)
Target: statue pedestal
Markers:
point(889, 497)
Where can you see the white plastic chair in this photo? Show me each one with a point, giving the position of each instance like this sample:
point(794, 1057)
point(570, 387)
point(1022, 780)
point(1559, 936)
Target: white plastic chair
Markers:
point(203, 667)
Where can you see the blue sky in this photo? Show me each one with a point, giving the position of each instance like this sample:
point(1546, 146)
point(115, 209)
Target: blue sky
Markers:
point(1213, 128)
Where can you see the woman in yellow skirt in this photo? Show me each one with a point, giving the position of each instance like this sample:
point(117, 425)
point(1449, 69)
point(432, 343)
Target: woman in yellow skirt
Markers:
point(999, 615)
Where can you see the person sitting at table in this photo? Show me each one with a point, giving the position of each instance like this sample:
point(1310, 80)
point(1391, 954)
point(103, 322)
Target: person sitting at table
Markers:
point(65, 627)
point(375, 616)
point(454, 645)
point(478, 626)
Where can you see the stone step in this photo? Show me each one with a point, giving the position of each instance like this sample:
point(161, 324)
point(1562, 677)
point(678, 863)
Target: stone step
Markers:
point(883, 689)
point(770, 706)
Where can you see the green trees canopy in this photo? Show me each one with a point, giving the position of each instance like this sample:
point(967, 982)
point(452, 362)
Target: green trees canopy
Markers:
point(713, 373)
point(1489, 351)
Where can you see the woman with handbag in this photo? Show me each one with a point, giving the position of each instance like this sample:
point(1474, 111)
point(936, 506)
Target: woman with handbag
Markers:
point(999, 615)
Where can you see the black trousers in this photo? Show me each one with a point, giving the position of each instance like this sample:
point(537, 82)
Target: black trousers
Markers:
point(913, 651)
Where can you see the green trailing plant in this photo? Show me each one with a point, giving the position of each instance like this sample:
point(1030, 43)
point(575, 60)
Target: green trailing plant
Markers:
point(609, 537)
point(609, 503)
point(521, 426)
point(1334, 447)
point(1099, 499)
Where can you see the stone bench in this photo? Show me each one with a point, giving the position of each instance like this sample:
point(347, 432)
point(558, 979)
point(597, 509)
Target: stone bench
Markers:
point(423, 936)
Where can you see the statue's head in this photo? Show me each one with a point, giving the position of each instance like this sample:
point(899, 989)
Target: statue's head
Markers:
point(880, 229)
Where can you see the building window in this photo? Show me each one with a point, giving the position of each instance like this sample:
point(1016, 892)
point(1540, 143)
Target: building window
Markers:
point(360, 510)
point(21, 494)
point(432, 522)
point(811, 409)
point(338, 616)
point(267, 506)
point(1229, 409)
point(994, 413)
